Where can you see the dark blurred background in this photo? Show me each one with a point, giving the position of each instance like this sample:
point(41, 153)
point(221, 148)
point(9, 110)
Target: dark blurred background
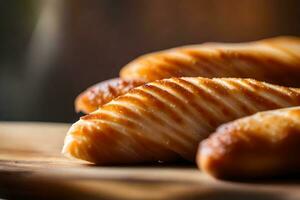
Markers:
point(53, 49)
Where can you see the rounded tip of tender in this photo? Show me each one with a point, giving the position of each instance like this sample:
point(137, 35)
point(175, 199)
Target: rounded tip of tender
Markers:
point(212, 156)
point(73, 144)
point(207, 162)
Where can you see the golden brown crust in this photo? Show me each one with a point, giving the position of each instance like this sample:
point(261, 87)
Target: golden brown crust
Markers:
point(97, 95)
point(166, 119)
point(275, 60)
point(263, 145)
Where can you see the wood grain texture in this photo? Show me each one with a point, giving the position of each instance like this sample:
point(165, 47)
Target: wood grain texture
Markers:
point(31, 166)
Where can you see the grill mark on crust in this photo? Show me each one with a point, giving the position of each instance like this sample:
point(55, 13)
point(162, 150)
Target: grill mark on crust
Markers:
point(110, 118)
point(202, 91)
point(222, 91)
point(182, 92)
point(131, 114)
point(190, 128)
point(268, 94)
point(133, 145)
point(254, 96)
point(173, 141)
point(229, 57)
point(262, 58)
point(157, 104)
point(190, 99)
point(202, 61)
point(292, 93)
point(137, 139)
point(166, 95)
point(256, 61)
point(176, 126)
point(193, 90)
point(241, 99)
point(214, 64)
point(253, 60)
point(183, 66)
point(172, 100)
point(165, 69)
point(233, 101)
point(262, 62)
point(140, 141)
point(106, 134)
point(180, 100)
point(139, 103)
point(227, 62)
point(173, 128)
point(263, 93)
point(282, 93)
point(163, 122)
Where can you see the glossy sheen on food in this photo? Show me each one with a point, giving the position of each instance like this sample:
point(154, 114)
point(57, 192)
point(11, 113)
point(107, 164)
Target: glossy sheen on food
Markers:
point(275, 60)
point(166, 119)
point(263, 145)
point(103, 92)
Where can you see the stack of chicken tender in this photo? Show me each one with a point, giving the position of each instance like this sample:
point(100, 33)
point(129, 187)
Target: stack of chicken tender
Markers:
point(232, 108)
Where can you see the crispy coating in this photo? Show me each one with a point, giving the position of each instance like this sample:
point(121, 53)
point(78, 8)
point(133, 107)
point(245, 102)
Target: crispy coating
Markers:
point(166, 119)
point(274, 60)
point(97, 95)
point(263, 145)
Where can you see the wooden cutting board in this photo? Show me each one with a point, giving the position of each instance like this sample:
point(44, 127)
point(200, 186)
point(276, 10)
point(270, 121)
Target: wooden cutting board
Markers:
point(31, 166)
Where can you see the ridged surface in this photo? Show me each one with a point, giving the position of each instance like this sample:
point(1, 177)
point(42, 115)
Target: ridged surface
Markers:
point(165, 119)
point(263, 145)
point(97, 95)
point(275, 60)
